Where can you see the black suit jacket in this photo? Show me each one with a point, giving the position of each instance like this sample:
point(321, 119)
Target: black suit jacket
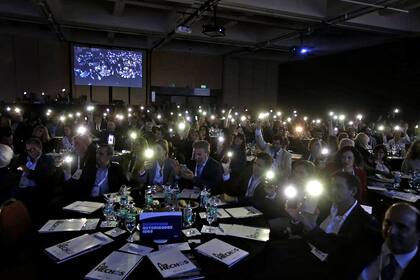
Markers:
point(82, 188)
point(44, 174)
point(355, 243)
point(211, 176)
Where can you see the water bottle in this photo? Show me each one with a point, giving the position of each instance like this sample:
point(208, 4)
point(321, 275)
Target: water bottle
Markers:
point(123, 195)
point(188, 215)
point(175, 193)
point(148, 198)
point(397, 179)
point(204, 197)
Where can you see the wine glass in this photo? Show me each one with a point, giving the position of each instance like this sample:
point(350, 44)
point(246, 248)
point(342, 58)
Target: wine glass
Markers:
point(211, 213)
point(188, 216)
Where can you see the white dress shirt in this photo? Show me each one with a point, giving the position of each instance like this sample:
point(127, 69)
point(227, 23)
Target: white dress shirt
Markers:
point(100, 186)
point(333, 222)
point(24, 180)
point(252, 185)
point(373, 270)
point(158, 178)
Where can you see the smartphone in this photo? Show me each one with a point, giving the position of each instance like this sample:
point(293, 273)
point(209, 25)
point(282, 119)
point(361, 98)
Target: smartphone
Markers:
point(310, 204)
point(111, 139)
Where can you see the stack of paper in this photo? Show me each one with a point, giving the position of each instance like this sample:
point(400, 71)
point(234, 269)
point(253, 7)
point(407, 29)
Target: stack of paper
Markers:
point(63, 225)
point(254, 233)
point(222, 252)
point(77, 246)
point(171, 263)
point(189, 194)
point(116, 266)
point(84, 207)
point(183, 246)
point(221, 214)
point(244, 212)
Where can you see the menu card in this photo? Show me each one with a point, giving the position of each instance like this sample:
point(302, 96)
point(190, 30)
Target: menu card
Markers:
point(171, 263)
point(84, 207)
point(244, 212)
point(222, 252)
point(77, 246)
point(254, 233)
point(116, 266)
point(63, 225)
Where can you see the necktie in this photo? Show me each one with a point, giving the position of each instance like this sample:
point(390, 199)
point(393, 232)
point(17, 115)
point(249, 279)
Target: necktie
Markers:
point(199, 169)
point(388, 272)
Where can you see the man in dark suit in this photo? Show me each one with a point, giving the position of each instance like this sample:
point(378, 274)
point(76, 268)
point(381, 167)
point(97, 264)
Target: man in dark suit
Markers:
point(250, 187)
point(97, 179)
point(331, 240)
point(207, 171)
point(398, 258)
point(37, 176)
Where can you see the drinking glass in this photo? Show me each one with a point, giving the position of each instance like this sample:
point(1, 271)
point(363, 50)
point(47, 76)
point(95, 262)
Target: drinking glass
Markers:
point(130, 225)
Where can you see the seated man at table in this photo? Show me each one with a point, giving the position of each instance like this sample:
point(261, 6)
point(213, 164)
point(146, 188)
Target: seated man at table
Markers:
point(37, 175)
point(160, 171)
point(398, 257)
point(330, 239)
point(103, 177)
point(250, 188)
point(207, 171)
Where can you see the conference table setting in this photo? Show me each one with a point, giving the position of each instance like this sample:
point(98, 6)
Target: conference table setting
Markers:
point(175, 234)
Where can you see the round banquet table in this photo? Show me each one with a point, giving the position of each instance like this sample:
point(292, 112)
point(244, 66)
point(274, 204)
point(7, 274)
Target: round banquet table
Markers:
point(78, 267)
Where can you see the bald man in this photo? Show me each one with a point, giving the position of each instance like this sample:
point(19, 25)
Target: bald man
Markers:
point(398, 258)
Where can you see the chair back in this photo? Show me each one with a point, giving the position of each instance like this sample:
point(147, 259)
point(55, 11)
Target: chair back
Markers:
point(15, 222)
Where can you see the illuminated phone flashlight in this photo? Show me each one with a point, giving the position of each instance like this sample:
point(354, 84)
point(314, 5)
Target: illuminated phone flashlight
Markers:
point(107, 109)
point(130, 109)
point(149, 153)
point(204, 113)
point(290, 192)
point(90, 108)
point(81, 130)
point(129, 115)
point(396, 110)
point(172, 113)
point(305, 118)
point(119, 117)
point(8, 109)
point(314, 188)
point(274, 117)
point(43, 93)
point(181, 126)
point(318, 121)
point(299, 129)
point(269, 175)
point(78, 114)
point(200, 110)
point(335, 117)
point(243, 118)
point(68, 159)
point(159, 117)
point(133, 135)
point(289, 119)
point(223, 111)
point(105, 114)
point(212, 117)
point(278, 114)
point(63, 90)
point(351, 123)
point(230, 154)
point(342, 117)
point(221, 139)
point(229, 116)
point(359, 117)
point(70, 116)
point(17, 110)
point(331, 114)
point(189, 118)
point(397, 128)
point(417, 126)
point(325, 151)
point(148, 111)
point(261, 116)
point(381, 128)
point(171, 130)
point(62, 118)
point(178, 106)
point(142, 108)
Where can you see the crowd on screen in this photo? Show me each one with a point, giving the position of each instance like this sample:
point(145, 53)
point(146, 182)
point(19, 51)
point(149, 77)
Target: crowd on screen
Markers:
point(229, 152)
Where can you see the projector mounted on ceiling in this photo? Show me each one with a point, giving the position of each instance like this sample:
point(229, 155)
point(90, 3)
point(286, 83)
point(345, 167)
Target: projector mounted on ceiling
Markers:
point(213, 29)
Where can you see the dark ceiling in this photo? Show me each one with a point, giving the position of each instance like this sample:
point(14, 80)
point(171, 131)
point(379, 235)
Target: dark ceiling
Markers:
point(254, 28)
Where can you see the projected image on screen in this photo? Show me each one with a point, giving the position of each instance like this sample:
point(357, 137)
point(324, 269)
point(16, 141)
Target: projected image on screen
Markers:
point(107, 67)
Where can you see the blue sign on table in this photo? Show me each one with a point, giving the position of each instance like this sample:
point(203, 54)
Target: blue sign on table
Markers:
point(160, 225)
